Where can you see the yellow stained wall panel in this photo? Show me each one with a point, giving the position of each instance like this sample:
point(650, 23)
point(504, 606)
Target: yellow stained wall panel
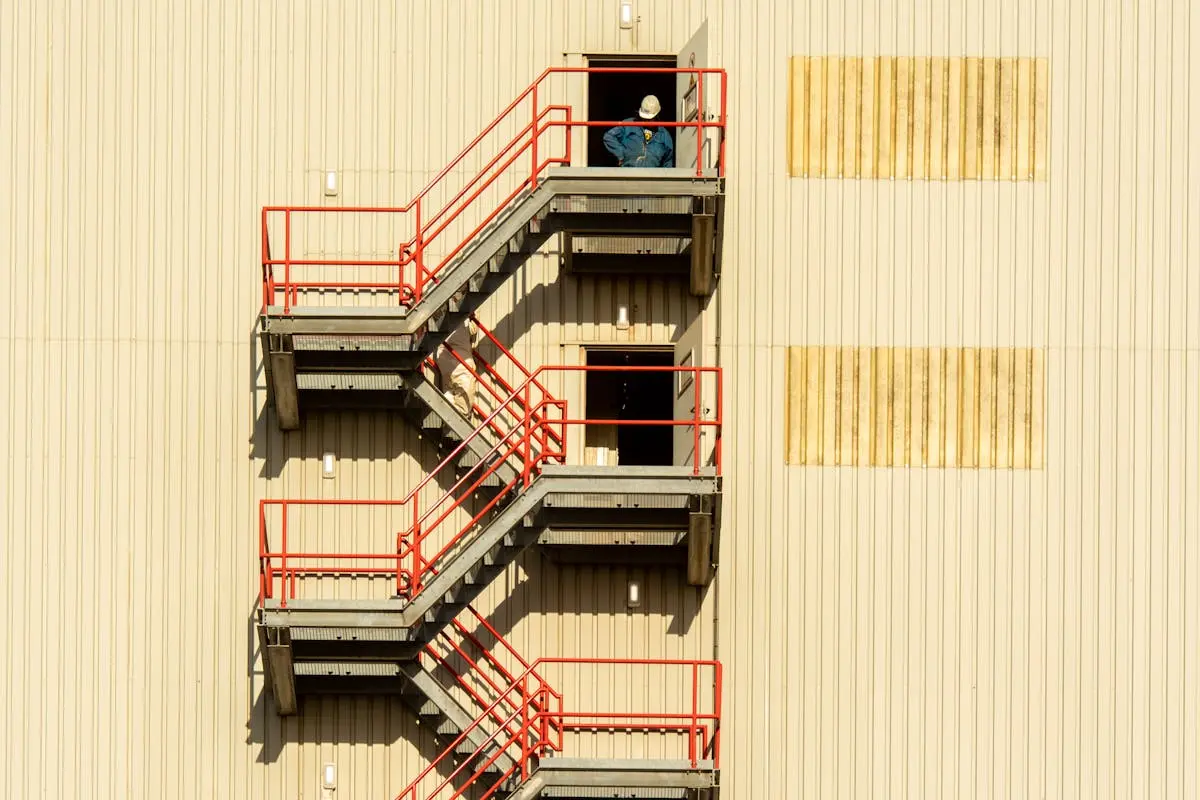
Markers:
point(923, 118)
point(926, 407)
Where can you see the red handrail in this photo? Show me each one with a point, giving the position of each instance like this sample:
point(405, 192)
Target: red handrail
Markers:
point(429, 226)
point(424, 524)
point(493, 384)
point(487, 655)
point(504, 351)
point(528, 439)
point(702, 728)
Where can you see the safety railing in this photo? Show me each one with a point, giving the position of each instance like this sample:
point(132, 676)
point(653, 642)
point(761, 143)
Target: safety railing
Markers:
point(541, 721)
point(493, 390)
point(437, 528)
point(482, 670)
point(445, 216)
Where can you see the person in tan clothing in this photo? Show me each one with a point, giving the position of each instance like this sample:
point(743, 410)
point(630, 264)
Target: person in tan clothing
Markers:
point(458, 382)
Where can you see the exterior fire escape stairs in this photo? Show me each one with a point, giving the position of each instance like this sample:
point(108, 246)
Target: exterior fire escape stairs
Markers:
point(346, 357)
point(359, 357)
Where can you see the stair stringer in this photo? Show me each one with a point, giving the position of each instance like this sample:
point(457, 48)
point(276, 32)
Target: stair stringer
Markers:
point(479, 443)
point(519, 520)
point(455, 718)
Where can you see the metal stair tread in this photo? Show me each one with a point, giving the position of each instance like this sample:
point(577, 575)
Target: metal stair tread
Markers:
point(568, 776)
point(381, 381)
point(356, 669)
point(415, 675)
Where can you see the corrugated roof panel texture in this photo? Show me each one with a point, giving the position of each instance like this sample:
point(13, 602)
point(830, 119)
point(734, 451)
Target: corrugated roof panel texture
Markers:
point(887, 632)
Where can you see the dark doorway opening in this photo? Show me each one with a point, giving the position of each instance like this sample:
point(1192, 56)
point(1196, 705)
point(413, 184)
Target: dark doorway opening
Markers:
point(633, 395)
point(614, 96)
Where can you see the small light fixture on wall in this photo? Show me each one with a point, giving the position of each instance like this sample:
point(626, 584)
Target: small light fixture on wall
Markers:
point(622, 318)
point(633, 594)
point(329, 776)
point(626, 14)
point(328, 463)
point(331, 183)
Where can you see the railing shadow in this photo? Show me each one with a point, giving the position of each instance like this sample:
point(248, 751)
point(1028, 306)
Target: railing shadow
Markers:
point(373, 720)
point(536, 585)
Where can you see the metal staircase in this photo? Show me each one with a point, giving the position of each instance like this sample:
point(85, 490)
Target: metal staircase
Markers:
point(510, 485)
point(356, 356)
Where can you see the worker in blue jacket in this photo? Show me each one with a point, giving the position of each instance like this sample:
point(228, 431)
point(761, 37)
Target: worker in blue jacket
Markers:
point(636, 146)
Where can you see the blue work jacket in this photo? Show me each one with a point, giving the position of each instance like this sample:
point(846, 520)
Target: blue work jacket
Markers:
point(640, 147)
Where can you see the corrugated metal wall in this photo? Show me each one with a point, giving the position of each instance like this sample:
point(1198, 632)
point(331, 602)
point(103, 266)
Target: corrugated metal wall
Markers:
point(887, 632)
point(961, 633)
point(140, 141)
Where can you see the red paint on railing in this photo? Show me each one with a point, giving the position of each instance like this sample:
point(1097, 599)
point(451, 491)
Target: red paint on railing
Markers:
point(525, 445)
point(427, 227)
point(537, 709)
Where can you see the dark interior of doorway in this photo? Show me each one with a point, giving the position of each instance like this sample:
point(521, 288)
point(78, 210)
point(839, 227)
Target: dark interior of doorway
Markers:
point(634, 396)
point(616, 96)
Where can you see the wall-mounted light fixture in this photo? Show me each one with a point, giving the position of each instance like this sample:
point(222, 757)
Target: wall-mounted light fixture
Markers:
point(622, 318)
point(626, 14)
point(633, 594)
point(329, 776)
point(328, 463)
point(331, 183)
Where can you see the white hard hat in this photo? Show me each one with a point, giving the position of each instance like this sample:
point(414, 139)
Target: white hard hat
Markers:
point(650, 107)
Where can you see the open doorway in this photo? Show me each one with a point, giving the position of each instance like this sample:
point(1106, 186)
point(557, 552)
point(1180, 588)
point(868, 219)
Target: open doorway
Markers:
point(616, 96)
point(634, 395)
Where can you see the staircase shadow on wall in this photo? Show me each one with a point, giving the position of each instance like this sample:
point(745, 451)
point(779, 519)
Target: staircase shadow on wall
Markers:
point(587, 301)
point(381, 435)
point(538, 587)
point(332, 720)
point(546, 589)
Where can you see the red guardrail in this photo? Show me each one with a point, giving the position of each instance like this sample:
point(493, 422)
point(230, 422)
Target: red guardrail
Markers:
point(540, 716)
point(525, 445)
point(420, 228)
point(477, 669)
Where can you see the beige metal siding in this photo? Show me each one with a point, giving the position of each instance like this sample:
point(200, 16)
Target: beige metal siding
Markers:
point(887, 632)
point(139, 142)
point(931, 633)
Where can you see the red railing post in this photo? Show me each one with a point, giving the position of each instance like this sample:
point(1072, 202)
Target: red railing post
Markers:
point(699, 122)
point(724, 128)
point(264, 562)
point(570, 129)
point(415, 533)
point(400, 275)
point(695, 729)
point(525, 726)
point(283, 568)
point(561, 726)
point(716, 737)
point(562, 427)
point(720, 422)
point(266, 266)
point(287, 261)
point(543, 718)
point(696, 422)
point(526, 472)
point(418, 570)
point(419, 271)
point(399, 560)
point(533, 176)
